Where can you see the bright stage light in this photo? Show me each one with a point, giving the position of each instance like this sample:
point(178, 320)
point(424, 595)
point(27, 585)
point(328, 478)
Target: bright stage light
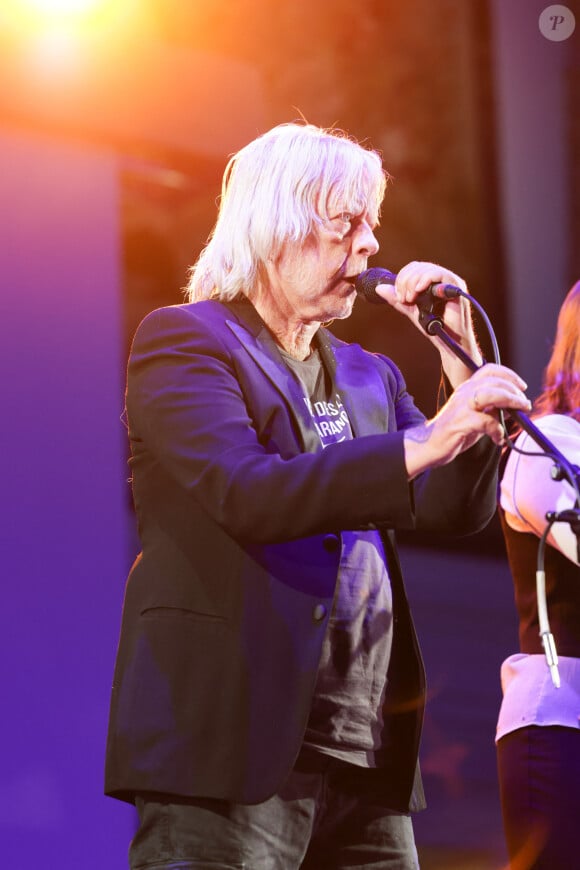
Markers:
point(58, 8)
point(85, 16)
point(53, 39)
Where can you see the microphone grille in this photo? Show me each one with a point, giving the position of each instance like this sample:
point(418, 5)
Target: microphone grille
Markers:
point(366, 282)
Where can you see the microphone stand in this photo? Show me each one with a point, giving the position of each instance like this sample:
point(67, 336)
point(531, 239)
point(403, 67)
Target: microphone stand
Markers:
point(433, 325)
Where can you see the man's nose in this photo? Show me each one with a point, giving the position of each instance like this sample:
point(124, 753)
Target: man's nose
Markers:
point(365, 240)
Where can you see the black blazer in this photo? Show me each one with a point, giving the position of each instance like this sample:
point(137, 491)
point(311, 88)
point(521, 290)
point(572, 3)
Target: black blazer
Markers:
point(239, 513)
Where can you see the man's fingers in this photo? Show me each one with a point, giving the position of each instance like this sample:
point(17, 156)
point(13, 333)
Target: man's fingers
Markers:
point(500, 373)
point(496, 387)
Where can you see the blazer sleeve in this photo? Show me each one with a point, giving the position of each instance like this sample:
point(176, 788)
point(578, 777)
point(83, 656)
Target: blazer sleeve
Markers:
point(187, 411)
point(456, 499)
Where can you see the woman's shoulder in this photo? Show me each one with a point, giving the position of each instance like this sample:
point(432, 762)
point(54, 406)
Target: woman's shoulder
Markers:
point(552, 426)
point(558, 423)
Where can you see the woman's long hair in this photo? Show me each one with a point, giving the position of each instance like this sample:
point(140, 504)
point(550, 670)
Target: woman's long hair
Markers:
point(561, 383)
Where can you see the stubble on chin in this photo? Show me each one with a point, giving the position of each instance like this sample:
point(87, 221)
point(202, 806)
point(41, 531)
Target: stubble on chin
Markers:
point(347, 306)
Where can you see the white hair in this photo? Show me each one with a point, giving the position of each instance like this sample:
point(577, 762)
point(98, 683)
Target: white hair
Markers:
point(274, 191)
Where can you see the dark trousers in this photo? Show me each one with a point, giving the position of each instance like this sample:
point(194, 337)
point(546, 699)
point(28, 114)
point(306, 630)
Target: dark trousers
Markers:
point(320, 820)
point(539, 778)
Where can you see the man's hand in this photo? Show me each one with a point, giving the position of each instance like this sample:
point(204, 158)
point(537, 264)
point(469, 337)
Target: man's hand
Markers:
point(414, 279)
point(470, 413)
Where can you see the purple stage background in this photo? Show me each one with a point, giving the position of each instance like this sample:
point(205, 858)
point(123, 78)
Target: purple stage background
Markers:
point(64, 524)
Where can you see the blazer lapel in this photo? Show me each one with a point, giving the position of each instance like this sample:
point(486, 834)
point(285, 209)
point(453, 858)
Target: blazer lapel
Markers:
point(358, 383)
point(254, 336)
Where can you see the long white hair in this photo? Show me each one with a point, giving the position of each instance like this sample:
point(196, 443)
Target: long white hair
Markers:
point(274, 191)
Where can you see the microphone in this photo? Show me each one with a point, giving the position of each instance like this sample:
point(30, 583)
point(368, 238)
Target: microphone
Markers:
point(366, 283)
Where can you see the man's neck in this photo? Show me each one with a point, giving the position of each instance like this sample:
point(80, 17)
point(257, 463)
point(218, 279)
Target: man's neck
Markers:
point(291, 333)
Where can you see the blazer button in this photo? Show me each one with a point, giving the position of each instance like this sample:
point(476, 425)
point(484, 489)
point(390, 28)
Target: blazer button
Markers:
point(319, 613)
point(331, 543)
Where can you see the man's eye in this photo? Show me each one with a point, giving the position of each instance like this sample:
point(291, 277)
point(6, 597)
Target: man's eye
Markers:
point(346, 217)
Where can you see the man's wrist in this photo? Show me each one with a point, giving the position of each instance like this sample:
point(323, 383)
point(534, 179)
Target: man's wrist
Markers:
point(418, 454)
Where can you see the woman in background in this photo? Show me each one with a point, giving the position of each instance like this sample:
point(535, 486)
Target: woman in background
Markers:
point(538, 732)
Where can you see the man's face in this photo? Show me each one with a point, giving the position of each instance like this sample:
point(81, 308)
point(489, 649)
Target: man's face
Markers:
point(312, 276)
